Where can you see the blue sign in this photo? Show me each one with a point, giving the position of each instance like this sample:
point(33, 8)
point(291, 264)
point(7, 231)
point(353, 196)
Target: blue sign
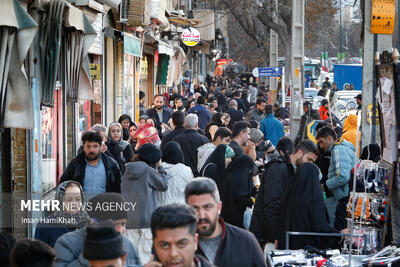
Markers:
point(267, 72)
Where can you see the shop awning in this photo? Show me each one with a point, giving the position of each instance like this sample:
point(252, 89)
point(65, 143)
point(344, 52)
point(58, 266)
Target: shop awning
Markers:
point(79, 37)
point(17, 30)
point(184, 21)
point(49, 41)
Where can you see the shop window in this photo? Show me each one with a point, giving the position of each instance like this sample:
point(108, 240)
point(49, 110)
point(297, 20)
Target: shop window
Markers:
point(51, 143)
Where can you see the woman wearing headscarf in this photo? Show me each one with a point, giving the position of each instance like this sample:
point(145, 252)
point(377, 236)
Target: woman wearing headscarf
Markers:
point(70, 217)
point(132, 135)
point(178, 175)
point(115, 133)
point(125, 121)
point(215, 165)
point(238, 189)
point(213, 125)
point(303, 210)
point(178, 104)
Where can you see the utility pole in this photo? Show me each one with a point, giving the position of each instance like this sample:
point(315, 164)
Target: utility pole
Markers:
point(340, 32)
point(273, 52)
point(297, 61)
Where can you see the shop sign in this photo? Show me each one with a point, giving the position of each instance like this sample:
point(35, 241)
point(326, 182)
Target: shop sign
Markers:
point(190, 37)
point(95, 71)
point(382, 18)
point(132, 46)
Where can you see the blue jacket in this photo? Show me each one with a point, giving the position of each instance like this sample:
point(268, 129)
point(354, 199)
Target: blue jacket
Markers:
point(203, 113)
point(342, 161)
point(272, 129)
point(69, 248)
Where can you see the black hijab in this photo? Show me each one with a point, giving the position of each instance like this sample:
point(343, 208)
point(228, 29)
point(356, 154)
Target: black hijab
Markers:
point(237, 189)
point(172, 153)
point(217, 159)
point(303, 210)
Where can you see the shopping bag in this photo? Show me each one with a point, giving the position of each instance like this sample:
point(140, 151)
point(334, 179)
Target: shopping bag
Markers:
point(248, 213)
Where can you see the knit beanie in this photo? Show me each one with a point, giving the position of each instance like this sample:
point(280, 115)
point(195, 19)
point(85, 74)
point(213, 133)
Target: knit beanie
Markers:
point(103, 242)
point(255, 135)
point(172, 153)
point(149, 153)
point(98, 207)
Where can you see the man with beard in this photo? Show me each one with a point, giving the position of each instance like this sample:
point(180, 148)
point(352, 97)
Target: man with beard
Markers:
point(241, 135)
point(92, 169)
point(223, 244)
point(174, 237)
point(159, 113)
point(265, 222)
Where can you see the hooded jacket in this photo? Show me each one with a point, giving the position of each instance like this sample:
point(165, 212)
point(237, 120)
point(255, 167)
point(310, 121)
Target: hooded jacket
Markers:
point(323, 113)
point(203, 153)
point(76, 172)
point(69, 248)
point(232, 245)
point(178, 176)
point(138, 184)
point(342, 161)
point(350, 130)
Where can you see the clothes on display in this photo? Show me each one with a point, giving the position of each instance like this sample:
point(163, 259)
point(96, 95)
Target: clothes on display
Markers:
point(373, 177)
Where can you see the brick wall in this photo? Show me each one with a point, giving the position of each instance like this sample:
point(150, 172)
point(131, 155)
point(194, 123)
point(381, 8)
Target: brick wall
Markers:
point(19, 174)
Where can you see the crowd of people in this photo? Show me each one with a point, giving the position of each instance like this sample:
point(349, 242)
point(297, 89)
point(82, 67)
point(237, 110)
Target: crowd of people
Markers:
point(211, 177)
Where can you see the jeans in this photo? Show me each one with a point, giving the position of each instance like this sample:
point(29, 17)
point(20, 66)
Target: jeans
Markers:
point(331, 204)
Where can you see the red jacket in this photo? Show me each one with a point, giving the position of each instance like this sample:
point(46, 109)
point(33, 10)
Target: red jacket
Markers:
point(323, 113)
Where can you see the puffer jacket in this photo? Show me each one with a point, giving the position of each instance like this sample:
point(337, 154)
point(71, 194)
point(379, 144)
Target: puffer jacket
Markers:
point(342, 161)
point(69, 248)
point(138, 185)
point(203, 153)
point(350, 130)
point(178, 175)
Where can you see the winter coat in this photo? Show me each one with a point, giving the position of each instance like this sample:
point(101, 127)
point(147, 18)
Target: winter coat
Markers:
point(256, 115)
point(265, 222)
point(170, 136)
point(152, 113)
point(250, 150)
point(203, 114)
point(138, 185)
point(234, 242)
point(241, 105)
point(69, 248)
point(237, 189)
point(236, 115)
point(76, 172)
point(203, 153)
point(342, 161)
point(323, 113)
point(272, 129)
point(350, 130)
point(190, 141)
point(178, 176)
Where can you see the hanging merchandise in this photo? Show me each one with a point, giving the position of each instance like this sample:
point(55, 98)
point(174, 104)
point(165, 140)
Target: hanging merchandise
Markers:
point(17, 31)
point(162, 69)
point(50, 33)
point(373, 177)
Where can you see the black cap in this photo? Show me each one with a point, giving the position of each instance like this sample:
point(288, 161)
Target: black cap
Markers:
point(103, 242)
point(306, 104)
point(324, 102)
point(359, 96)
point(149, 153)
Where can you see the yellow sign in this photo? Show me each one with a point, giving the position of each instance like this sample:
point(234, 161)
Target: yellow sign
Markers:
point(297, 72)
point(382, 18)
point(369, 114)
point(95, 71)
